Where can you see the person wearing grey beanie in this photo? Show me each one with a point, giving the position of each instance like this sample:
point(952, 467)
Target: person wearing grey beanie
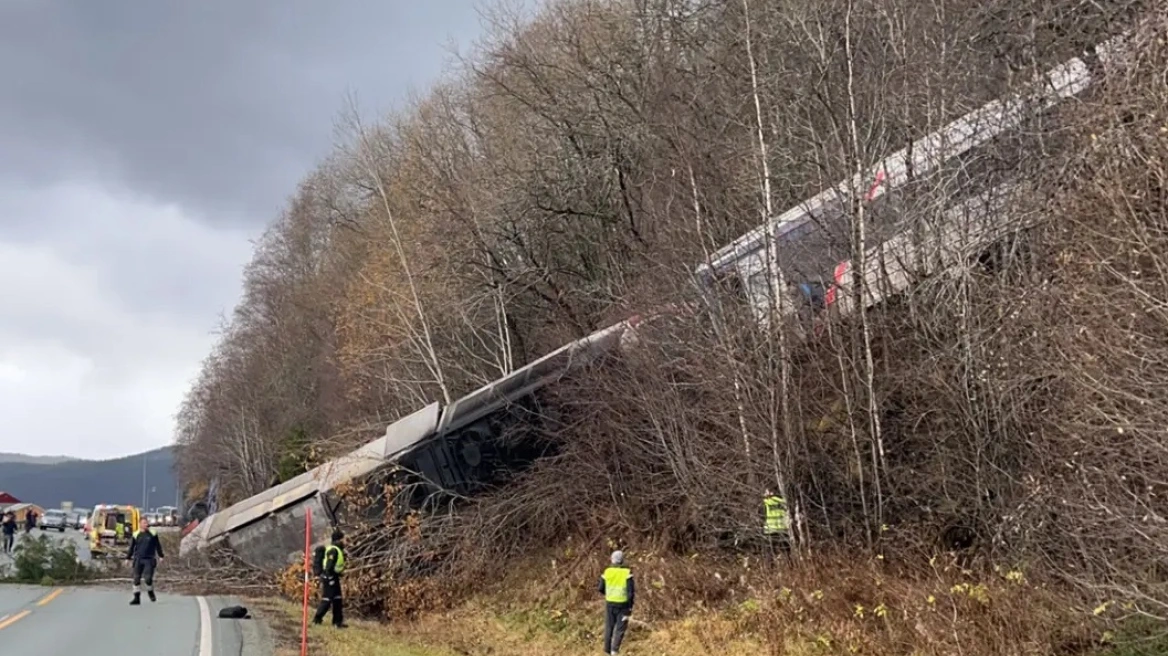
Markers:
point(617, 586)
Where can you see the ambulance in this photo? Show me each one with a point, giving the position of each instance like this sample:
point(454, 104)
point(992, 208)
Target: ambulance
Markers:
point(110, 529)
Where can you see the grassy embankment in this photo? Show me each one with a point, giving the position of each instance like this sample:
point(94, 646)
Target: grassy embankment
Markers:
point(695, 606)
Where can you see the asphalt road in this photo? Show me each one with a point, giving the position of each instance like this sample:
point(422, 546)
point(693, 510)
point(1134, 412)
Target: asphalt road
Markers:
point(99, 622)
point(64, 621)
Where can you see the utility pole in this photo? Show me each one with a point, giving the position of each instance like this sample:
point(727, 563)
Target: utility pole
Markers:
point(143, 481)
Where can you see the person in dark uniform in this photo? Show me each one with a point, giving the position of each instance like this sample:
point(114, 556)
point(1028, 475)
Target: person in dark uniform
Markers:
point(145, 553)
point(330, 582)
point(9, 528)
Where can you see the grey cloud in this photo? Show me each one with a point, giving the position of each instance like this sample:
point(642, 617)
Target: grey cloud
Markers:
point(219, 105)
point(141, 143)
point(150, 259)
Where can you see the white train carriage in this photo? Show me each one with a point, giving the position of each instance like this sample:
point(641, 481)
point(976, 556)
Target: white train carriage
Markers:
point(800, 260)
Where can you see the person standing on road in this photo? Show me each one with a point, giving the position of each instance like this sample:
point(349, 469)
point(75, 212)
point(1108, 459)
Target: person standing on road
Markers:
point(145, 553)
point(616, 584)
point(8, 527)
point(330, 582)
point(30, 518)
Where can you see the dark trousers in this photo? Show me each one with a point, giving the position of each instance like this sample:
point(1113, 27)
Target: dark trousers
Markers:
point(330, 597)
point(616, 620)
point(144, 569)
point(779, 543)
point(9, 538)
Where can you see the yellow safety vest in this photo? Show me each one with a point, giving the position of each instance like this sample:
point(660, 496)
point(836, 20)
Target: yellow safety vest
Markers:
point(616, 584)
point(776, 515)
point(340, 564)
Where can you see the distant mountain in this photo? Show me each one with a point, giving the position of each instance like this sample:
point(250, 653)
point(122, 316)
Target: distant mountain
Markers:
point(33, 460)
point(90, 482)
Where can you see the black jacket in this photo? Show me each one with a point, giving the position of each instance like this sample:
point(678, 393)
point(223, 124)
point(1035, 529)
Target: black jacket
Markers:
point(10, 526)
point(145, 545)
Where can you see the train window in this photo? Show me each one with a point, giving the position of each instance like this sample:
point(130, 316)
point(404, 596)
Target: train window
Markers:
point(812, 295)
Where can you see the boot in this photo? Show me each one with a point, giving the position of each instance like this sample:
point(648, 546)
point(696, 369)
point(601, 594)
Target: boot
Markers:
point(137, 600)
point(150, 593)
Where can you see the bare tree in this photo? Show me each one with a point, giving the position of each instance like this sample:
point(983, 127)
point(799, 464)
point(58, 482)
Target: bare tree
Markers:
point(371, 156)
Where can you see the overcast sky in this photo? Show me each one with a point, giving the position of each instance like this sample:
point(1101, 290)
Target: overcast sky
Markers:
point(143, 143)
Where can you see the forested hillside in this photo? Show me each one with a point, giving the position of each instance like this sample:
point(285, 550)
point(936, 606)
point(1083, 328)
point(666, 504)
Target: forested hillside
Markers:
point(35, 460)
point(576, 168)
point(90, 482)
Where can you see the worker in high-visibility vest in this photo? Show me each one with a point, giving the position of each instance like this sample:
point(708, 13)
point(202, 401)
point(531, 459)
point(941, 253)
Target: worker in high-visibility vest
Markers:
point(776, 524)
point(330, 582)
point(616, 584)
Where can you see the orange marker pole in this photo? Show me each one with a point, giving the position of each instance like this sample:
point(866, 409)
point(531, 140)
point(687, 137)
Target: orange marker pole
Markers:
point(307, 569)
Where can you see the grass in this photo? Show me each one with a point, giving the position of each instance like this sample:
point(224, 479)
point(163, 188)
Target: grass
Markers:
point(1139, 636)
point(479, 628)
point(466, 633)
point(362, 638)
point(692, 606)
point(483, 627)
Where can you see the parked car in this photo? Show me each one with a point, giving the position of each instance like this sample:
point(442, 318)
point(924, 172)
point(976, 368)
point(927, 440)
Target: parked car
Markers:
point(78, 517)
point(169, 515)
point(55, 518)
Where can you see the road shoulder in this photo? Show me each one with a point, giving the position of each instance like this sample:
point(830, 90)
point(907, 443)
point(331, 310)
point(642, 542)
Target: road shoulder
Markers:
point(362, 638)
point(247, 637)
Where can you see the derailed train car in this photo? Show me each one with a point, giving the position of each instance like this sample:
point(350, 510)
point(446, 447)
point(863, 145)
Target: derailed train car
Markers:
point(455, 448)
point(797, 263)
point(444, 449)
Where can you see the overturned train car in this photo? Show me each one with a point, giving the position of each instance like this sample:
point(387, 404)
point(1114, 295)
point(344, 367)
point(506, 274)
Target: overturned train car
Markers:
point(449, 449)
point(797, 262)
point(444, 449)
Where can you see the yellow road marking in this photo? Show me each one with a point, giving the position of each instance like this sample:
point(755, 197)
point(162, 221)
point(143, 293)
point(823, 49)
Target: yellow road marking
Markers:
point(14, 619)
point(51, 596)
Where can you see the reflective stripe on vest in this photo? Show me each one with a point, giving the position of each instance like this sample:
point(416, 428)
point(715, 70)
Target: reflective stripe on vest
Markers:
point(776, 515)
point(340, 564)
point(616, 584)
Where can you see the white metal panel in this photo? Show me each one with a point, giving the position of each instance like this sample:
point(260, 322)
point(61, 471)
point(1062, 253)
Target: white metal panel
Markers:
point(525, 380)
point(964, 229)
point(965, 133)
point(400, 436)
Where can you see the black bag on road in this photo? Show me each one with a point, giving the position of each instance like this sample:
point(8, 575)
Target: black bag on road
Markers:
point(233, 613)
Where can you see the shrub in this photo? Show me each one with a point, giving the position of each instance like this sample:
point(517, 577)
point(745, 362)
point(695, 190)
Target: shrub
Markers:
point(39, 559)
